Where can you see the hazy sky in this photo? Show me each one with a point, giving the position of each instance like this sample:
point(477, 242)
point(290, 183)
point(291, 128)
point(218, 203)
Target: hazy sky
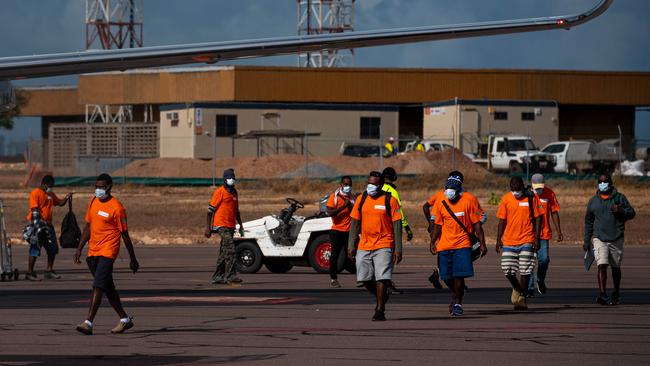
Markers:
point(618, 40)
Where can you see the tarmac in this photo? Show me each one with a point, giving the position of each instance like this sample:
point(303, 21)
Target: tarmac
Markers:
point(296, 319)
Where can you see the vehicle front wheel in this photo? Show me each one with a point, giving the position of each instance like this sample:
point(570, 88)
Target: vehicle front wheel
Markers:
point(278, 266)
point(319, 254)
point(248, 257)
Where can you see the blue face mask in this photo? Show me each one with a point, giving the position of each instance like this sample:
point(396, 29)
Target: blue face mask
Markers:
point(450, 193)
point(48, 189)
point(100, 193)
point(372, 189)
point(539, 191)
point(603, 187)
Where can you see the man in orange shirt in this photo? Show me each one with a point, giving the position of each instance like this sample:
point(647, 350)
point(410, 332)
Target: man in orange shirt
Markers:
point(450, 238)
point(550, 209)
point(105, 226)
point(41, 204)
point(520, 221)
point(427, 209)
point(223, 211)
point(377, 216)
point(339, 206)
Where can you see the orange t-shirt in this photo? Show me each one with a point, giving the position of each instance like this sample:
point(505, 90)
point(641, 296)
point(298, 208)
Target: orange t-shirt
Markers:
point(467, 210)
point(226, 206)
point(519, 227)
point(107, 223)
point(549, 205)
point(341, 221)
point(44, 202)
point(376, 224)
point(440, 195)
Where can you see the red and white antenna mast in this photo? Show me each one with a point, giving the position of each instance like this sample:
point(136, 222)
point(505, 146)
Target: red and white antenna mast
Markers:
point(114, 23)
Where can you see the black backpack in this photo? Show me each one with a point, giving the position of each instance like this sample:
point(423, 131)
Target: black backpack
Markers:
point(70, 232)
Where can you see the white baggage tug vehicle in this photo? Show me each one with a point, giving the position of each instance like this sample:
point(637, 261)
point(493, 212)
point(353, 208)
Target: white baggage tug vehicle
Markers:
point(281, 241)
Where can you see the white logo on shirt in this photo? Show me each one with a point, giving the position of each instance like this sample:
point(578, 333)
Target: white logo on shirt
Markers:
point(459, 214)
point(380, 207)
point(545, 200)
point(102, 213)
point(525, 204)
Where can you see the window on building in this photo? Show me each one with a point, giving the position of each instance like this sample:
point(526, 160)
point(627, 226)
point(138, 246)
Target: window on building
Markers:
point(527, 116)
point(369, 127)
point(503, 116)
point(226, 125)
point(172, 117)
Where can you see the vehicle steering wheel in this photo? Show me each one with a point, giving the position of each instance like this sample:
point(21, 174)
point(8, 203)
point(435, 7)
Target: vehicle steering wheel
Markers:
point(294, 202)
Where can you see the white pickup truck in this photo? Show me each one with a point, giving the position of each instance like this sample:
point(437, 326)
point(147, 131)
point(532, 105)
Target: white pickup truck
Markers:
point(513, 154)
point(583, 156)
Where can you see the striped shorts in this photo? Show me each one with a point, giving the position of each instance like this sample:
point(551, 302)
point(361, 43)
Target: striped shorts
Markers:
point(519, 258)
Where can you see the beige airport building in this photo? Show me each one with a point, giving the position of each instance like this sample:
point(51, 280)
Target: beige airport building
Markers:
point(250, 110)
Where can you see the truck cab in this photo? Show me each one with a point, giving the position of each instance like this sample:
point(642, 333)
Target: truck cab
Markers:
point(514, 153)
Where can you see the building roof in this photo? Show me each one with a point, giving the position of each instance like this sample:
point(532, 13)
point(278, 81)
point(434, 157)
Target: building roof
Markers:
point(249, 84)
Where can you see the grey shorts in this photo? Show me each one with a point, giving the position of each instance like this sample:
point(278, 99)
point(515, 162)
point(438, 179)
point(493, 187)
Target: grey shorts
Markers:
point(608, 252)
point(374, 264)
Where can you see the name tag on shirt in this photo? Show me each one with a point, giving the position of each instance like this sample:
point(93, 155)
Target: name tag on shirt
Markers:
point(459, 214)
point(380, 207)
point(102, 213)
point(525, 204)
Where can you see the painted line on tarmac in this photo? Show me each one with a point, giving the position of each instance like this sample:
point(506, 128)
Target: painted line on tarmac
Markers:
point(210, 299)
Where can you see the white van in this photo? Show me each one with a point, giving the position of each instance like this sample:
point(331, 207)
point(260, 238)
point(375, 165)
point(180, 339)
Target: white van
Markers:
point(579, 156)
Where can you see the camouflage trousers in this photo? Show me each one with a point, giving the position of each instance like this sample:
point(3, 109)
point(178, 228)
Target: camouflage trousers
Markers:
point(225, 267)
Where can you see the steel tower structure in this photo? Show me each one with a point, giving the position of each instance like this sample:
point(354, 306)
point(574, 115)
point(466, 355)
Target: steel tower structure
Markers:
point(114, 24)
point(322, 17)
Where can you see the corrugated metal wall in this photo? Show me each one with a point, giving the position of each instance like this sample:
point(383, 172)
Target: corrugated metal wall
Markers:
point(395, 86)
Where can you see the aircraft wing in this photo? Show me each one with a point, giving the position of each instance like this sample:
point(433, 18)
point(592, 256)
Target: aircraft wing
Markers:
point(111, 60)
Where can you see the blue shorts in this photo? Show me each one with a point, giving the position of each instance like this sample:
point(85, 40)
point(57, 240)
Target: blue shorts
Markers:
point(455, 263)
point(48, 240)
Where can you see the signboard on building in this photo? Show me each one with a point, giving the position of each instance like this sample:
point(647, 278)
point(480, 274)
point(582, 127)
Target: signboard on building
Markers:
point(198, 121)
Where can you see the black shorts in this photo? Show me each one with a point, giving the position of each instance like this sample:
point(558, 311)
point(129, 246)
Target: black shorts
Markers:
point(102, 270)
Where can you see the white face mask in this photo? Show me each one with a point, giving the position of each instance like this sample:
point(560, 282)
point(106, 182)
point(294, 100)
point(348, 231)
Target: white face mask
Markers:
point(230, 181)
point(517, 194)
point(372, 189)
point(450, 193)
point(346, 189)
point(48, 189)
point(603, 187)
point(100, 193)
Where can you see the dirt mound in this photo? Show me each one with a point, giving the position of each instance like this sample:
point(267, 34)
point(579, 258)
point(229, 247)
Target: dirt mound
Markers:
point(291, 166)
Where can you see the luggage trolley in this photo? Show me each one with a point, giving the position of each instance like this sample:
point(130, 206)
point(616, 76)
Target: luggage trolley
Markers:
point(6, 271)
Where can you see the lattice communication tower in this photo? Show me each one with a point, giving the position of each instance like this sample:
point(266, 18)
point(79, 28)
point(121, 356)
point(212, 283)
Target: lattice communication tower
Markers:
point(322, 17)
point(114, 24)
